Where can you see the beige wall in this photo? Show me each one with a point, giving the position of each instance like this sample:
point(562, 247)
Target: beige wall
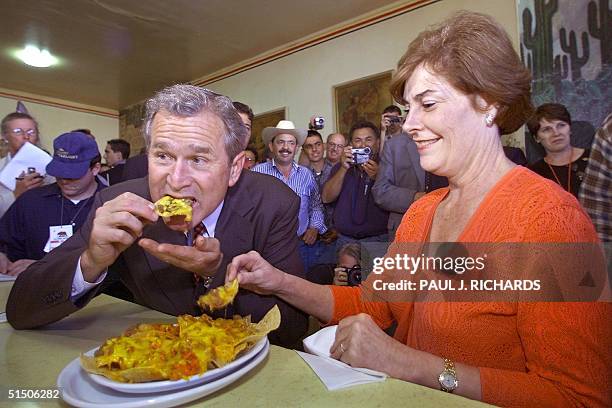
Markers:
point(302, 82)
point(54, 121)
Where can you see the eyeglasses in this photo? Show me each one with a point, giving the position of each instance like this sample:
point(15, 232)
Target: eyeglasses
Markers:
point(334, 146)
point(23, 132)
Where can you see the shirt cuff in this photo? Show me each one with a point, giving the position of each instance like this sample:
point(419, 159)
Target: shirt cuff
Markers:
point(80, 286)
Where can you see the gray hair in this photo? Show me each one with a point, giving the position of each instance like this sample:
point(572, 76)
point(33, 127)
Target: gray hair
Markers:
point(352, 249)
point(13, 116)
point(188, 101)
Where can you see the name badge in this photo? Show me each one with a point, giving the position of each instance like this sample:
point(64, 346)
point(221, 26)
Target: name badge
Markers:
point(57, 235)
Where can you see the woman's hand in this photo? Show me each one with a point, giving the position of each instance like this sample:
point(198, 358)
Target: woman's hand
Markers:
point(361, 343)
point(255, 274)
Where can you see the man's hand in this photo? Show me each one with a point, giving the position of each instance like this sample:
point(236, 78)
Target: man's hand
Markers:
point(203, 259)
point(347, 157)
point(27, 182)
point(255, 274)
point(19, 266)
point(310, 236)
point(116, 225)
point(419, 195)
point(340, 276)
point(4, 263)
point(384, 122)
point(330, 236)
point(371, 169)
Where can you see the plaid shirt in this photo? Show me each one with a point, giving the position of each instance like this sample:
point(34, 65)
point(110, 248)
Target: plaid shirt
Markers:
point(302, 181)
point(596, 191)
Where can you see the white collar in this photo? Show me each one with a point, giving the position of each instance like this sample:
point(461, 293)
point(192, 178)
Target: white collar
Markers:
point(210, 222)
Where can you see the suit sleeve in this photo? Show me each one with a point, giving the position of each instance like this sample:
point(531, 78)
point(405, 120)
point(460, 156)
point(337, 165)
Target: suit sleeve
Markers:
point(281, 250)
point(41, 293)
point(12, 234)
point(385, 191)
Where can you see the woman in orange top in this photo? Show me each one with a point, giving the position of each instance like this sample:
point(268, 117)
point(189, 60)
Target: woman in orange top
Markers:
point(463, 85)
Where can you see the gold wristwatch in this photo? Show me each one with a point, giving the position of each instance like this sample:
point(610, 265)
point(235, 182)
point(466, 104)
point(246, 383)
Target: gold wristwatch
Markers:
point(448, 377)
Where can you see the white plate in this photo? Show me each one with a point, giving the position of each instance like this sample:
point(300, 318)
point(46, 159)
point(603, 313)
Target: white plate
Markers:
point(79, 390)
point(161, 386)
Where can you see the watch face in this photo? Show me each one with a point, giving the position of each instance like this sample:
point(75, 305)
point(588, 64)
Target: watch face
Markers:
point(447, 380)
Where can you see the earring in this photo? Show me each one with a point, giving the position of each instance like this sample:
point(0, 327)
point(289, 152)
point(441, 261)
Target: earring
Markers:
point(489, 119)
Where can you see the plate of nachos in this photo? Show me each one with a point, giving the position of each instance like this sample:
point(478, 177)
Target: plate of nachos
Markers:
point(151, 358)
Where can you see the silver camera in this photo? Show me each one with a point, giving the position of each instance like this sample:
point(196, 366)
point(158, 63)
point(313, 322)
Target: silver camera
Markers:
point(318, 123)
point(361, 155)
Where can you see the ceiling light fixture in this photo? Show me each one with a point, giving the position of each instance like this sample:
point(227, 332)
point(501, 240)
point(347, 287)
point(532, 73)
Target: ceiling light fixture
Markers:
point(35, 57)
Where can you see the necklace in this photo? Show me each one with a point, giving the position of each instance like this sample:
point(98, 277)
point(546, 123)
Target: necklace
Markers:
point(569, 173)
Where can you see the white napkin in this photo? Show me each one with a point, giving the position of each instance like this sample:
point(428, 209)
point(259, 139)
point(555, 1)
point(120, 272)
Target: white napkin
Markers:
point(333, 373)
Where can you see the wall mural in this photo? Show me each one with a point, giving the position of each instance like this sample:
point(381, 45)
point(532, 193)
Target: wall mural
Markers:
point(130, 123)
point(362, 99)
point(567, 45)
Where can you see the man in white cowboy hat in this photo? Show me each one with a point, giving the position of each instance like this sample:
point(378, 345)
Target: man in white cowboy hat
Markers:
point(283, 141)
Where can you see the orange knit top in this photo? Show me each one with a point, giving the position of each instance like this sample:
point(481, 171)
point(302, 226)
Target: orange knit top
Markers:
point(529, 354)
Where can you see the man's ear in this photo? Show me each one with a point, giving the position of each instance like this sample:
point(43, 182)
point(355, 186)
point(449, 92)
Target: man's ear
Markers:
point(236, 168)
point(96, 168)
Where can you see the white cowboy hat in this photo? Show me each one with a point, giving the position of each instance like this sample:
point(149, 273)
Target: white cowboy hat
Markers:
point(283, 127)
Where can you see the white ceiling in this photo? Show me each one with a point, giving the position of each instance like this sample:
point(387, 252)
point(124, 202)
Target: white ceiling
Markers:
point(118, 52)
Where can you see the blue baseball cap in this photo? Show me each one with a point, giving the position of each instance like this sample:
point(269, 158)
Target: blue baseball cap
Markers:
point(72, 154)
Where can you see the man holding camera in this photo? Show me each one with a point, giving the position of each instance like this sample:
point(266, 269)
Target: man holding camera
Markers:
point(42, 218)
point(357, 217)
point(390, 124)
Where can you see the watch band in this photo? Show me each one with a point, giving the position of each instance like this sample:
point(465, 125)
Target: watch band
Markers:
point(449, 374)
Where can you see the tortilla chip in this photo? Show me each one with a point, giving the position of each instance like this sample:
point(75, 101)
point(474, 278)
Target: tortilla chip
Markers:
point(219, 297)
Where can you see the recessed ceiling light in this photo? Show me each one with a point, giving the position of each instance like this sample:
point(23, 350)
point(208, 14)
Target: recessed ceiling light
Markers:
point(35, 57)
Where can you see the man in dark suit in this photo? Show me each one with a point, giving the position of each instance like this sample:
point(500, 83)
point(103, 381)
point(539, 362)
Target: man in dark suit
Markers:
point(194, 138)
point(400, 181)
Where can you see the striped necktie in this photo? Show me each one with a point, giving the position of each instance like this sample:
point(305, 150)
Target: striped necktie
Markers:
point(198, 230)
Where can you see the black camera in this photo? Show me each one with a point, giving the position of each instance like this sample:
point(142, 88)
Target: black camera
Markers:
point(353, 275)
point(361, 155)
point(395, 119)
point(318, 123)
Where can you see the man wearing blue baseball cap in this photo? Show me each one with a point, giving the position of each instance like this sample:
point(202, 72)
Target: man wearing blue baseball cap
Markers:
point(44, 217)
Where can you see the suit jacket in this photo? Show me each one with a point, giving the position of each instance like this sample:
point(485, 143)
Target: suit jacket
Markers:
point(400, 177)
point(115, 175)
point(135, 167)
point(259, 213)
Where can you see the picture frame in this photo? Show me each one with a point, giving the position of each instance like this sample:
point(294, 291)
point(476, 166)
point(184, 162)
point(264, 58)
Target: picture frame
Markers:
point(261, 121)
point(361, 99)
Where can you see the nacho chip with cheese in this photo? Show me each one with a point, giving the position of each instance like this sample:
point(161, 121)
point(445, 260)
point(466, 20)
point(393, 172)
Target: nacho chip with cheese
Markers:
point(168, 206)
point(219, 297)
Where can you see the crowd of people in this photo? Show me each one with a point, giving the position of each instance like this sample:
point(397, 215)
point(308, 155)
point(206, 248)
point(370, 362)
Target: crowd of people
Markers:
point(293, 234)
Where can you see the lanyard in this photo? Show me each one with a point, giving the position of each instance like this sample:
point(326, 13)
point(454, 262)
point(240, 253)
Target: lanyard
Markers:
point(77, 213)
